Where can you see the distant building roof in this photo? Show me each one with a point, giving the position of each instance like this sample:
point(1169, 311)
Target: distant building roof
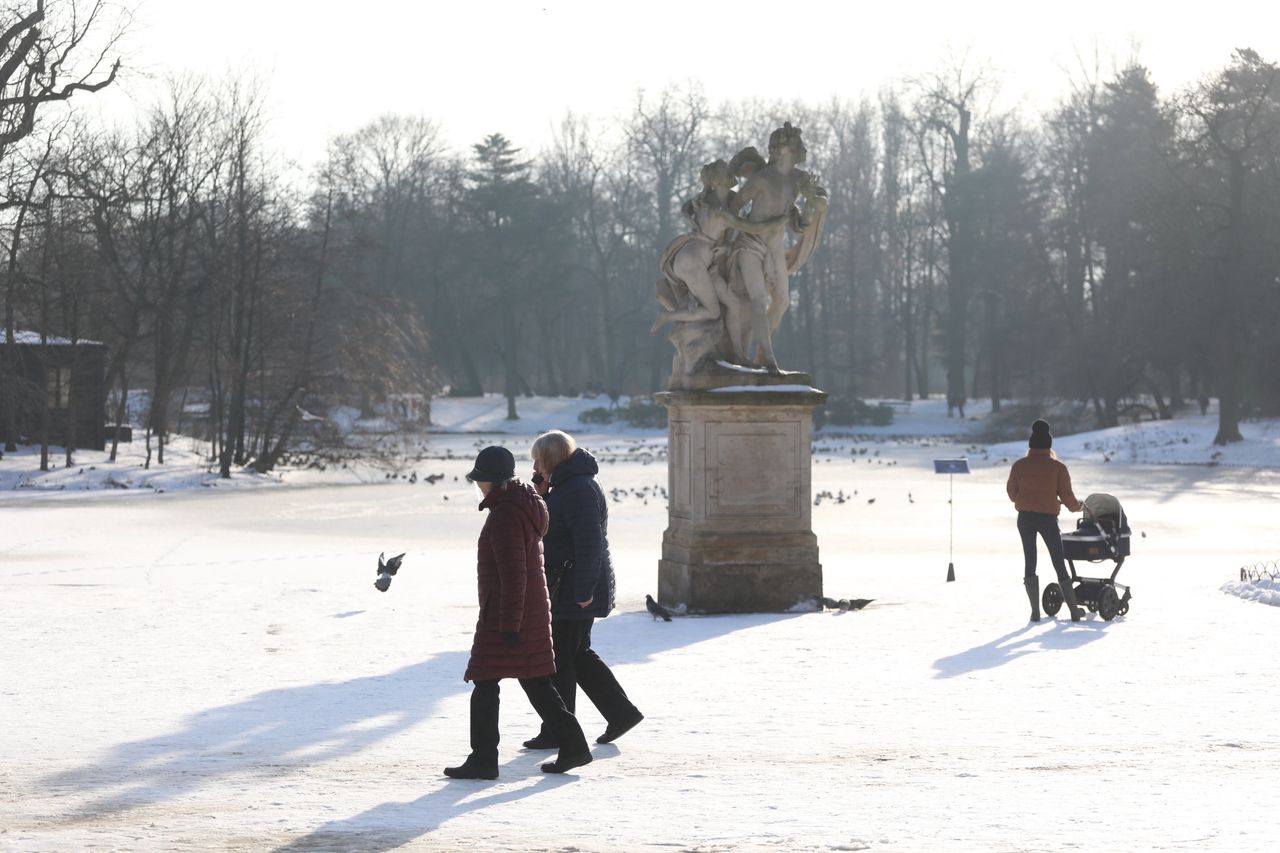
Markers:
point(23, 336)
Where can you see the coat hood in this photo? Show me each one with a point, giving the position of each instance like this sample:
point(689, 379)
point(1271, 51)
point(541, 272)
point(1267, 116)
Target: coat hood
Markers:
point(581, 463)
point(525, 498)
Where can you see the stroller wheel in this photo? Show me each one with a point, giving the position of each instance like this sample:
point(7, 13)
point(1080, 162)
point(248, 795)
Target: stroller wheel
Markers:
point(1051, 601)
point(1108, 603)
point(1124, 608)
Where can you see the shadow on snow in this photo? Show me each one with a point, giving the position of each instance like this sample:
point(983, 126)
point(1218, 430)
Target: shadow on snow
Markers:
point(625, 639)
point(278, 732)
point(395, 824)
point(1015, 644)
point(267, 735)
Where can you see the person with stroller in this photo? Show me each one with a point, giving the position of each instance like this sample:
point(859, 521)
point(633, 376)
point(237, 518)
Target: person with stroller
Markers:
point(580, 575)
point(513, 634)
point(1039, 486)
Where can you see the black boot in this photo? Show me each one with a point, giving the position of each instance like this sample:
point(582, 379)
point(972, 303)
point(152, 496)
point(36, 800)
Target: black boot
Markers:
point(542, 740)
point(613, 731)
point(564, 727)
point(482, 763)
point(1069, 596)
point(1033, 595)
point(473, 768)
point(567, 761)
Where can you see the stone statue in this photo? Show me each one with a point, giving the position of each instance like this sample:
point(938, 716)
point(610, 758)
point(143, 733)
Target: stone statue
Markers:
point(725, 283)
point(693, 285)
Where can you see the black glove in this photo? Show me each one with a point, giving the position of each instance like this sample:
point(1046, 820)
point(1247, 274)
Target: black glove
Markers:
point(510, 637)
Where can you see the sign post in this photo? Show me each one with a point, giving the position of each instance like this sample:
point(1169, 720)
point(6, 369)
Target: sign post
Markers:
point(951, 467)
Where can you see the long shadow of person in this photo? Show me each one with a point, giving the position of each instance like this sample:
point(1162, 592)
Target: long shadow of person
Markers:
point(631, 638)
point(267, 734)
point(276, 731)
point(1016, 644)
point(391, 825)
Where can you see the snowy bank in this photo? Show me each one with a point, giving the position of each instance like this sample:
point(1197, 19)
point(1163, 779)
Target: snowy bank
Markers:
point(1265, 592)
point(186, 466)
point(1182, 441)
point(461, 425)
point(488, 414)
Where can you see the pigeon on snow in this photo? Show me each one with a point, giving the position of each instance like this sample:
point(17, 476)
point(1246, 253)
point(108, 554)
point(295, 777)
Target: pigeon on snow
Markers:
point(386, 569)
point(656, 610)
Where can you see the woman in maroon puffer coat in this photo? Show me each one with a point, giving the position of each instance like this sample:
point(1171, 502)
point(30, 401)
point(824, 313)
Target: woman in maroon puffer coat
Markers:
point(513, 634)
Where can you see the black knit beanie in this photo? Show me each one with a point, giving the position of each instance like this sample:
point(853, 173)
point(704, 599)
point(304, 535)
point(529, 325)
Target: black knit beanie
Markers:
point(1041, 438)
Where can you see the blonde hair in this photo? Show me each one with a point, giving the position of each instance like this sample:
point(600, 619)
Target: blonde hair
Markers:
point(552, 448)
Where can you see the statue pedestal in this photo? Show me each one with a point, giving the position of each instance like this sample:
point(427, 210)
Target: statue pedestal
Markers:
point(739, 535)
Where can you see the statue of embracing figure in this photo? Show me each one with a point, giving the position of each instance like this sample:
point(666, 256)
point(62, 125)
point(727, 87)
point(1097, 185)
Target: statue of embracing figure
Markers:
point(724, 285)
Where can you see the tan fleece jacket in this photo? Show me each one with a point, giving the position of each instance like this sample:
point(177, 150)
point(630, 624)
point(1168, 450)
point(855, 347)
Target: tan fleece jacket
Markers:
point(1039, 482)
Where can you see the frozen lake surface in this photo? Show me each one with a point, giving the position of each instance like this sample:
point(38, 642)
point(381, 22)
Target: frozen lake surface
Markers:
point(214, 670)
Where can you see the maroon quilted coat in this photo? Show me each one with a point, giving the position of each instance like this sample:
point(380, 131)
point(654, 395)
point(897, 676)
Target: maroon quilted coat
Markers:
point(513, 588)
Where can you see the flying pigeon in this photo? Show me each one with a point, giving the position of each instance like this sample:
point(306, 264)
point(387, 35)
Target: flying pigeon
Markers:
point(656, 610)
point(387, 568)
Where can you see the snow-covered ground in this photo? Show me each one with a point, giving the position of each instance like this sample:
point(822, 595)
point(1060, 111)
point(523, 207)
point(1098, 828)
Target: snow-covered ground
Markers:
point(208, 669)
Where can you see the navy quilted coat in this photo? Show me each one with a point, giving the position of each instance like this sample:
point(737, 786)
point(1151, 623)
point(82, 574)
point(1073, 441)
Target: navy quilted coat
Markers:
point(577, 540)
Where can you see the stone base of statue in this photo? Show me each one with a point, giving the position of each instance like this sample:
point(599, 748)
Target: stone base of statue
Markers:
point(739, 535)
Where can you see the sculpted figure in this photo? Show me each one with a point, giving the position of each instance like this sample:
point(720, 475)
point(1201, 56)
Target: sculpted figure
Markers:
point(759, 263)
point(693, 287)
point(725, 283)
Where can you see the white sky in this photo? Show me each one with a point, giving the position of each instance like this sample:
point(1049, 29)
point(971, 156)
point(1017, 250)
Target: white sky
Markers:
point(516, 67)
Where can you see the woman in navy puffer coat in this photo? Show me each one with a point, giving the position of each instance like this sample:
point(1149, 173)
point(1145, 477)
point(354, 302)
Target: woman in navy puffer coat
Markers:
point(580, 577)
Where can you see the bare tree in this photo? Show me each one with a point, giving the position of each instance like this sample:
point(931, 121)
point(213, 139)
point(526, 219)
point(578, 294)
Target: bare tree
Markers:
point(945, 105)
point(1237, 125)
point(42, 62)
point(665, 138)
point(49, 52)
point(604, 199)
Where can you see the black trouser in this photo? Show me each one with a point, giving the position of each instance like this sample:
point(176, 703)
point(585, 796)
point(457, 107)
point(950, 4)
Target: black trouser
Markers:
point(544, 699)
point(577, 665)
point(1031, 523)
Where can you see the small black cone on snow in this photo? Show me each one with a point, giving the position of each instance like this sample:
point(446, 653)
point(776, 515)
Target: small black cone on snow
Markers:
point(951, 572)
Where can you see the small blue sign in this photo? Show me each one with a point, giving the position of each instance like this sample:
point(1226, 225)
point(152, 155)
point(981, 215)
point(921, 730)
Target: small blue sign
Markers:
point(951, 466)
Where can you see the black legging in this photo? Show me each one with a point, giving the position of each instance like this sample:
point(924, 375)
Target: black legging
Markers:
point(1031, 523)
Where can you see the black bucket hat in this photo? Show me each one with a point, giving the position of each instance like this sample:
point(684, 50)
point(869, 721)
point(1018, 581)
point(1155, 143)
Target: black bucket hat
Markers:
point(494, 464)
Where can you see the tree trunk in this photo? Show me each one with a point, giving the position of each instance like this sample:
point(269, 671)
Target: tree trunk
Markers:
point(1230, 336)
point(1162, 408)
point(510, 352)
point(121, 411)
point(958, 210)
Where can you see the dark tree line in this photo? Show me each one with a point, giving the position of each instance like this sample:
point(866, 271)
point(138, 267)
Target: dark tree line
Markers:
point(1122, 250)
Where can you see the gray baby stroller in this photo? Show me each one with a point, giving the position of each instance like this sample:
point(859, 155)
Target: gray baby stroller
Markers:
point(1102, 534)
